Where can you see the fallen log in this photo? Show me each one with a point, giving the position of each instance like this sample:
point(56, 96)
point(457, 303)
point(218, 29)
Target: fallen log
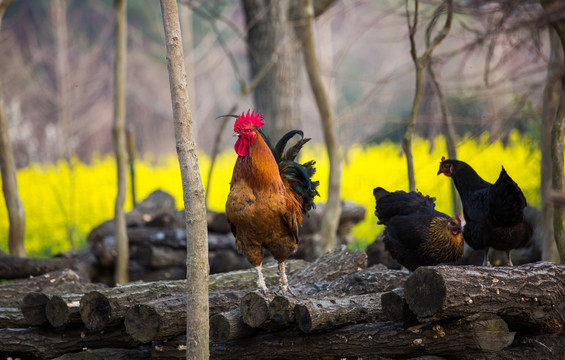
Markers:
point(332, 265)
point(228, 326)
point(395, 307)
point(485, 333)
point(323, 314)
point(14, 267)
point(48, 343)
point(528, 297)
point(375, 279)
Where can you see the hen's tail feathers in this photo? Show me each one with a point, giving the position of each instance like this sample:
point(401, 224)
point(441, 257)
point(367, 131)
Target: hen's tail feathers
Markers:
point(298, 176)
point(390, 204)
point(506, 201)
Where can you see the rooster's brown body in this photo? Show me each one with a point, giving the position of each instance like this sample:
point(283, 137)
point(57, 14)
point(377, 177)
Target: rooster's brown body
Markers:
point(415, 233)
point(269, 193)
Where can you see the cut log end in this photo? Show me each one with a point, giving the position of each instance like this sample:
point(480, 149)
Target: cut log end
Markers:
point(425, 292)
point(142, 323)
point(33, 308)
point(229, 326)
point(491, 333)
point(395, 308)
point(57, 311)
point(281, 310)
point(254, 309)
point(303, 318)
point(95, 310)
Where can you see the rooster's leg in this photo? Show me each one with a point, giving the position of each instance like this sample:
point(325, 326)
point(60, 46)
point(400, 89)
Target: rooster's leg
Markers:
point(283, 283)
point(486, 262)
point(260, 280)
point(509, 263)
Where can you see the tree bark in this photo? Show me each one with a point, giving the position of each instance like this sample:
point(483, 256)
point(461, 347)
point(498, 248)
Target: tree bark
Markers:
point(193, 191)
point(527, 297)
point(550, 105)
point(332, 209)
point(330, 312)
point(16, 214)
point(420, 64)
point(118, 131)
point(473, 334)
point(557, 138)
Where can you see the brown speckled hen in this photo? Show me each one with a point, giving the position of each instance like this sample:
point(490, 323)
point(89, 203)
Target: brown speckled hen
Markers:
point(415, 233)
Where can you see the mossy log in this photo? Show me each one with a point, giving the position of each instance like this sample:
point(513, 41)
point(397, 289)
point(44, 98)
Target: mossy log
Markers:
point(281, 309)
point(528, 297)
point(33, 308)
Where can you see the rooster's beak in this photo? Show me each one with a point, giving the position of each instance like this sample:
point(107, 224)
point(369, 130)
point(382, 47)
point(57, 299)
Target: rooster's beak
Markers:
point(235, 134)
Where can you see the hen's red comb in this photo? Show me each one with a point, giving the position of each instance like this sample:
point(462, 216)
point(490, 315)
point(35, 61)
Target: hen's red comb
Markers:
point(458, 218)
point(245, 120)
point(442, 160)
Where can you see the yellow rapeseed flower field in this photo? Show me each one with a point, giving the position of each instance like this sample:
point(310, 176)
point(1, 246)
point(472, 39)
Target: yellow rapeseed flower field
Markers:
point(65, 200)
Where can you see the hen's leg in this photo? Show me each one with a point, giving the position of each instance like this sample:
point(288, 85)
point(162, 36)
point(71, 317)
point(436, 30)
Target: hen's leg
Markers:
point(509, 263)
point(486, 262)
point(260, 280)
point(283, 282)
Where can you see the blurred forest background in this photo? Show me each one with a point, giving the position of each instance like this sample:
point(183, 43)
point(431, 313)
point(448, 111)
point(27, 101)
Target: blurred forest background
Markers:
point(56, 69)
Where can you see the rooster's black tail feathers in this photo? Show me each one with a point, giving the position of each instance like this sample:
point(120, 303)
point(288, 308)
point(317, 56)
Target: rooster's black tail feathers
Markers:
point(298, 176)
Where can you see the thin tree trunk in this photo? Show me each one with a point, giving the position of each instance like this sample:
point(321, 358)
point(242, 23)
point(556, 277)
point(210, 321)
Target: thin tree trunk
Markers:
point(269, 28)
point(420, 64)
point(557, 137)
point(550, 104)
point(332, 210)
point(132, 153)
point(16, 214)
point(120, 44)
point(197, 327)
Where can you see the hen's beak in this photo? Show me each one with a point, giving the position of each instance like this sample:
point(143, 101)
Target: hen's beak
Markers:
point(440, 171)
point(235, 134)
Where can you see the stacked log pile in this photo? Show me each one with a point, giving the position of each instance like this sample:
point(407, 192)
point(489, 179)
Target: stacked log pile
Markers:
point(341, 310)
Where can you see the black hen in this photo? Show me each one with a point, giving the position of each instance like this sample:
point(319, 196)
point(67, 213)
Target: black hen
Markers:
point(416, 234)
point(494, 213)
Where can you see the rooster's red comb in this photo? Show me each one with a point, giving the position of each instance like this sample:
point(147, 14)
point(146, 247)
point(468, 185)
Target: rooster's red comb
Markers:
point(458, 218)
point(249, 119)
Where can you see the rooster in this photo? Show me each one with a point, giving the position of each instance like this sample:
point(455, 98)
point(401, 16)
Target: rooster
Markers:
point(269, 193)
point(494, 213)
point(415, 233)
